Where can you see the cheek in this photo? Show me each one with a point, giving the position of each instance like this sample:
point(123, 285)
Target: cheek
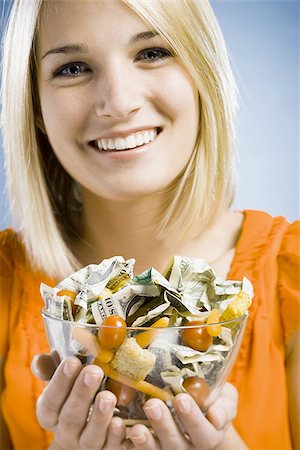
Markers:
point(178, 96)
point(61, 113)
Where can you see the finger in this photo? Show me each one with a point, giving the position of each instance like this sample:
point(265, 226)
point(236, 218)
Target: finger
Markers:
point(163, 424)
point(224, 409)
point(142, 439)
point(127, 445)
point(56, 392)
point(200, 431)
point(95, 431)
point(43, 366)
point(74, 413)
point(116, 434)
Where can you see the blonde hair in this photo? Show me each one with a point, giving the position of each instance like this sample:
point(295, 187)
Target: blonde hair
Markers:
point(195, 197)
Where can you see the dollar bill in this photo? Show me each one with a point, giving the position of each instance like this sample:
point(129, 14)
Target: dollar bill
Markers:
point(186, 272)
point(201, 289)
point(56, 307)
point(152, 276)
point(187, 355)
point(224, 288)
point(124, 303)
point(89, 283)
point(148, 312)
point(67, 309)
point(111, 306)
point(85, 315)
point(226, 336)
point(59, 307)
point(180, 304)
point(92, 279)
point(47, 294)
point(193, 278)
point(188, 288)
point(170, 297)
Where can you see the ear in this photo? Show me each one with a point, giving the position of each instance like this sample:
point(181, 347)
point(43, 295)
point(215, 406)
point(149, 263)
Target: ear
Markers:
point(40, 123)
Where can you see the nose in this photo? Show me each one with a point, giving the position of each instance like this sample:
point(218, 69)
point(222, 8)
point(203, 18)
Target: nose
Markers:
point(119, 93)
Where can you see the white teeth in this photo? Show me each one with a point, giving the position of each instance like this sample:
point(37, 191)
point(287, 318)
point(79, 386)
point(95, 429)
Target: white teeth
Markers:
point(110, 144)
point(139, 139)
point(120, 144)
point(131, 141)
point(146, 136)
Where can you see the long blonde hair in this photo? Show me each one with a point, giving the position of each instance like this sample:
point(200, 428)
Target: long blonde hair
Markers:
point(40, 212)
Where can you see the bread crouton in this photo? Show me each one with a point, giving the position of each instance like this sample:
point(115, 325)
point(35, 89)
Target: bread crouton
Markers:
point(132, 360)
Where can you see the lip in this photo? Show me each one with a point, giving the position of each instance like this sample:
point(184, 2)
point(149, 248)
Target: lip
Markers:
point(125, 133)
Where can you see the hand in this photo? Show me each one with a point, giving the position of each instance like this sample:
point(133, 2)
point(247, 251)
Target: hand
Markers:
point(69, 408)
point(203, 432)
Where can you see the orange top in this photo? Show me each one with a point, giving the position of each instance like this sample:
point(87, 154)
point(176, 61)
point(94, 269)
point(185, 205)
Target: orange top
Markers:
point(267, 253)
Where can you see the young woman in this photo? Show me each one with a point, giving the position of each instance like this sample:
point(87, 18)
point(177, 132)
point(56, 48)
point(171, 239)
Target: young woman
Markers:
point(118, 123)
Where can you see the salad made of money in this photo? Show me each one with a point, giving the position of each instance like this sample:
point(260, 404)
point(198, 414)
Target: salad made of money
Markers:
point(153, 334)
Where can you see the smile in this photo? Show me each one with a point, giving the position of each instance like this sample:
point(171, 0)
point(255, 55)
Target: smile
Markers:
point(131, 141)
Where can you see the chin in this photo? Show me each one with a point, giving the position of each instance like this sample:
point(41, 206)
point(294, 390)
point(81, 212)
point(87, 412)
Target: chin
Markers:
point(131, 191)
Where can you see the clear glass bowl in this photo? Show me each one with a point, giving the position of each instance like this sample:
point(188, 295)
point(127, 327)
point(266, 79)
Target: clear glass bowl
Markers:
point(159, 363)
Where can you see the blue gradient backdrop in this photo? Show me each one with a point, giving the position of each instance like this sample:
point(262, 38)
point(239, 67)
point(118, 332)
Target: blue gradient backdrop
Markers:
point(263, 40)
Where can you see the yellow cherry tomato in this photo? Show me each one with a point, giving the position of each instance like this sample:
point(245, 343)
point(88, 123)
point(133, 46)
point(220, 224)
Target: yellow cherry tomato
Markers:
point(197, 338)
point(113, 332)
point(214, 316)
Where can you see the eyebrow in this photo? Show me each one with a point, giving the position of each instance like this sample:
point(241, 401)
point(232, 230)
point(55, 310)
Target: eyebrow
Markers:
point(144, 36)
point(79, 48)
point(66, 49)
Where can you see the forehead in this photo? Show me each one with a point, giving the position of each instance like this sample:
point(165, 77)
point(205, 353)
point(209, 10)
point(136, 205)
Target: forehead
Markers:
point(86, 20)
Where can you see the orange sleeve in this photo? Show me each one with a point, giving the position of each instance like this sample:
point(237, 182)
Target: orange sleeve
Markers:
point(289, 279)
point(6, 281)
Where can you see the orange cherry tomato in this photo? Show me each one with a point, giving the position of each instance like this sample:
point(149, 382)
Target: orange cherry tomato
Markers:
point(72, 295)
point(125, 394)
point(196, 338)
point(197, 388)
point(112, 337)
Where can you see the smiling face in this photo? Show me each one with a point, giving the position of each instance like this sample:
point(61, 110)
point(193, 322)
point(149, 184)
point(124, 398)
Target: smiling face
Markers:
point(119, 110)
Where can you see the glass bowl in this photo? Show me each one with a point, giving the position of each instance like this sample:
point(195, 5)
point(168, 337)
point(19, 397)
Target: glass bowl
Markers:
point(152, 362)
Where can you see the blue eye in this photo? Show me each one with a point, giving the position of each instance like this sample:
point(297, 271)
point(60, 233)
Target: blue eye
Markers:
point(153, 54)
point(72, 70)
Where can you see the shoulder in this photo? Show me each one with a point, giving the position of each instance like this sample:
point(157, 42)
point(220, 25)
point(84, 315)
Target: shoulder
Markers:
point(11, 250)
point(289, 257)
point(291, 238)
point(263, 229)
point(275, 238)
point(9, 238)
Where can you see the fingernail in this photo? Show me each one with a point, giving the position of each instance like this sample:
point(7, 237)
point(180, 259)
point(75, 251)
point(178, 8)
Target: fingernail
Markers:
point(139, 438)
point(106, 405)
point(153, 411)
point(220, 418)
point(70, 368)
point(92, 376)
point(126, 446)
point(184, 405)
point(117, 426)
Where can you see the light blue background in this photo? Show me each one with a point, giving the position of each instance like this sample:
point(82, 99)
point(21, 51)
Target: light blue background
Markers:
point(263, 39)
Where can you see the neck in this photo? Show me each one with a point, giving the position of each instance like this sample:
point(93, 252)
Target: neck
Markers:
point(127, 229)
